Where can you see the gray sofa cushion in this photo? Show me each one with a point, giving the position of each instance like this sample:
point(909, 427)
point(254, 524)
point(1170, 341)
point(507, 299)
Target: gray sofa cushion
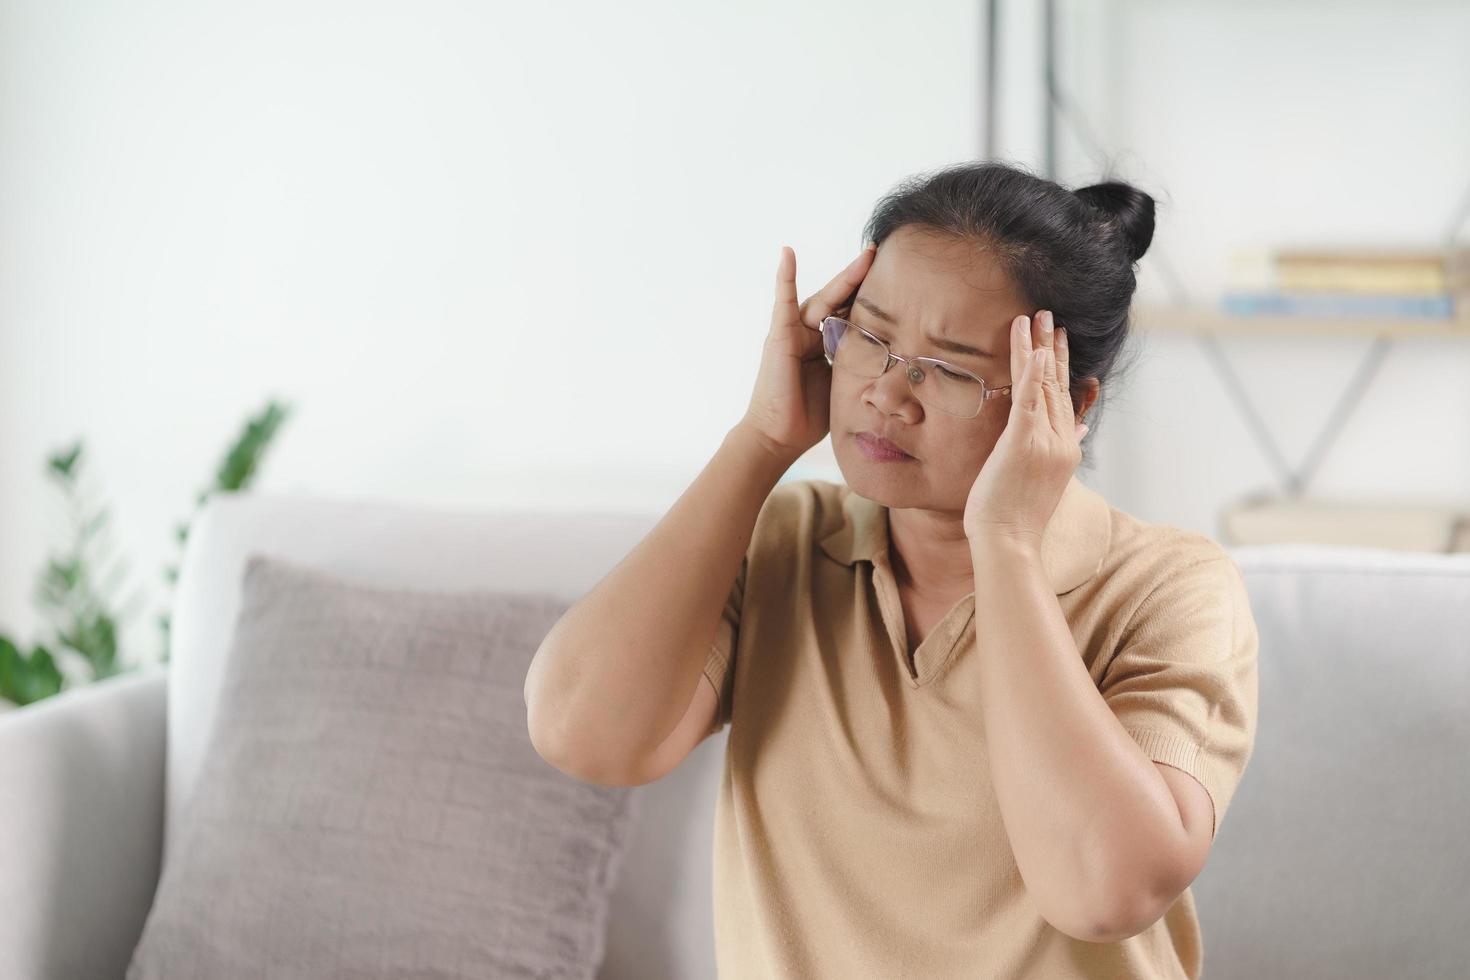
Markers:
point(371, 804)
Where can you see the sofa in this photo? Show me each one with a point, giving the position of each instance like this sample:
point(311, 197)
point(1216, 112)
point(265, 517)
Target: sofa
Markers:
point(1344, 853)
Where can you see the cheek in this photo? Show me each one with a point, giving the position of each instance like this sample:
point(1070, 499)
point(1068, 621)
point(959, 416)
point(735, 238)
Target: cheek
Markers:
point(970, 443)
point(847, 392)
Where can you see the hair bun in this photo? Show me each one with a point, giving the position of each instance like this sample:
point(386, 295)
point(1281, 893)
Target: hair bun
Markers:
point(1129, 206)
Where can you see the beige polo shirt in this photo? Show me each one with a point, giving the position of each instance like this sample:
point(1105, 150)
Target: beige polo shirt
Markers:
point(857, 834)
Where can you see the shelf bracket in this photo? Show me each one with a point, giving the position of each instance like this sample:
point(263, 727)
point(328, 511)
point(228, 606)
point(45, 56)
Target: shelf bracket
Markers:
point(1060, 106)
point(1294, 481)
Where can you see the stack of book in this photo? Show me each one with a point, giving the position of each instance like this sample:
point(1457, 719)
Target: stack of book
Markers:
point(1426, 283)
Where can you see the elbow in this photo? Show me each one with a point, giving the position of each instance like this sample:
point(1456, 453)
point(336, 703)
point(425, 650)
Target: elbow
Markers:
point(1104, 929)
point(559, 752)
point(1116, 918)
point(578, 766)
point(1104, 925)
point(1119, 919)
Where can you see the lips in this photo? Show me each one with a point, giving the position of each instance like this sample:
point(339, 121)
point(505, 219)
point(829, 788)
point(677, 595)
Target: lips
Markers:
point(881, 443)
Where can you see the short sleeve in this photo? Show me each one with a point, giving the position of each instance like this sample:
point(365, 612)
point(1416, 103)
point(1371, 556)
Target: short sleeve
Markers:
point(720, 662)
point(1183, 680)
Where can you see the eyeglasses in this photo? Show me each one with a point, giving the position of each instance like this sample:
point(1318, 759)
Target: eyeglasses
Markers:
point(937, 384)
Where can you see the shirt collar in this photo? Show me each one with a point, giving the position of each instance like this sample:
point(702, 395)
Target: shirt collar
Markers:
point(1072, 547)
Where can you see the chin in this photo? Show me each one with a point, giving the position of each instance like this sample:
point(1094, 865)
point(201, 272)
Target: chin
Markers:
point(890, 484)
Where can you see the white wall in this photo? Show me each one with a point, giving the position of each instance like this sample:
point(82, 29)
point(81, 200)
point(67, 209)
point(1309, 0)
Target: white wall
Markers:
point(393, 215)
point(408, 220)
point(1262, 123)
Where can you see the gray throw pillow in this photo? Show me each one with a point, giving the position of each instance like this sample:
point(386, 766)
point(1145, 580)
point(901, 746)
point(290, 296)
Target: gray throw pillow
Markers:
point(371, 804)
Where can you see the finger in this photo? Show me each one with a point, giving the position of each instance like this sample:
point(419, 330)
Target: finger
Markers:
point(839, 291)
point(1020, 351)
point(1064, 370)
point(1055, 409)
point(1034, 397)
point(1042, 322)
point(786, 315)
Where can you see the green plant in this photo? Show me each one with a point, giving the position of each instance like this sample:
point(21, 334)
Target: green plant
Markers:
point(235, 473)
point(27, 677)
point(74, 601)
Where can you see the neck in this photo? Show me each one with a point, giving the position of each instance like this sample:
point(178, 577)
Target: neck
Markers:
point(930, 553)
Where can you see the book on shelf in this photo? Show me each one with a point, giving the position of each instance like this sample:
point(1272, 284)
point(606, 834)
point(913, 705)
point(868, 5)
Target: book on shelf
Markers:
point(1372, 281)
point(1442, 307)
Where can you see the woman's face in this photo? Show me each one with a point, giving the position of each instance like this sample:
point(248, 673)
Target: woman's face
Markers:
point(930, 286)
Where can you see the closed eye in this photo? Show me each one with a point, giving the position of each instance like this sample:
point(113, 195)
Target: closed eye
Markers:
point(983, 355)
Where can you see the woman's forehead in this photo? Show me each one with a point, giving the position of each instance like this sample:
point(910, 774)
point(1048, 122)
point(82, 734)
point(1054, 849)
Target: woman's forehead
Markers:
point(961, 265)
point(971, 339)
point(941, 289)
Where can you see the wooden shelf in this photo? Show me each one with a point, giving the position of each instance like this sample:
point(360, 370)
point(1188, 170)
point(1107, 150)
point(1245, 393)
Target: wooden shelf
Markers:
point(1197, 320)
point(1205, 323)
point(1413, 526)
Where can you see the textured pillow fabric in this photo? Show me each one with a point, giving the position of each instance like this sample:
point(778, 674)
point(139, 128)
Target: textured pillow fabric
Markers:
point(371, 804)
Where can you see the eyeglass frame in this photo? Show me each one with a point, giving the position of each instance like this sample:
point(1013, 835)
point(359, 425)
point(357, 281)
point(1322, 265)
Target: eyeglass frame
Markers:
point(986, 390)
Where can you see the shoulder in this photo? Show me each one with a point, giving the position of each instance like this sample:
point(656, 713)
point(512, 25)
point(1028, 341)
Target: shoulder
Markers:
point(1174, 596)
point(1162, 547)
point(805, 498)
point(798, 513)
point(1146, 559)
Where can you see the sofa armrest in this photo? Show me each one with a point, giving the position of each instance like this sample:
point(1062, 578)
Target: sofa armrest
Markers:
point(81, 807)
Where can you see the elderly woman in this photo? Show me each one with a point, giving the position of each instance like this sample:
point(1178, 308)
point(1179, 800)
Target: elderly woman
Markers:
point(982, 723)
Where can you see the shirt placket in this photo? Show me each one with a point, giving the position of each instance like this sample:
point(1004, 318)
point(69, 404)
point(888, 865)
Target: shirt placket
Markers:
point(936, 648)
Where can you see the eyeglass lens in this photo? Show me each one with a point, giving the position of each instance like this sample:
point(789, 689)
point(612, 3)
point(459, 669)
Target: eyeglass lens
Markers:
point(934, 382)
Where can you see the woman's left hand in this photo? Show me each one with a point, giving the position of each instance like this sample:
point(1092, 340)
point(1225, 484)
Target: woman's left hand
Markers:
point(1026, 473)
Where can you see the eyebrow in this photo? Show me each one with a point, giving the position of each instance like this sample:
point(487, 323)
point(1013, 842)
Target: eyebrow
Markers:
point(944, 344)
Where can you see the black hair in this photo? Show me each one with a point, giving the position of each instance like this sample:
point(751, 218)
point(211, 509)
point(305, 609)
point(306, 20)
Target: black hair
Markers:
point(1068, 251)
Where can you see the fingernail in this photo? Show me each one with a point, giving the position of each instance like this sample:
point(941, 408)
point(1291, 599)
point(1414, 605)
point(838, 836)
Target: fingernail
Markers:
point(1023, 323)
point(1039, 355)
point(1046, 324)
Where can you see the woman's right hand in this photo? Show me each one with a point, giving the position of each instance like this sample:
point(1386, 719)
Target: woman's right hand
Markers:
point(789, 408)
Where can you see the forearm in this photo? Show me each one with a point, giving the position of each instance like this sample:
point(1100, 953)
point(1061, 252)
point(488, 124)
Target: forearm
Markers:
point(614, 675)
point(1082, 804)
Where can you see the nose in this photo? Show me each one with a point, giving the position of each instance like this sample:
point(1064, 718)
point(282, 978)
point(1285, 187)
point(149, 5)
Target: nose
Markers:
point(891, 391)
